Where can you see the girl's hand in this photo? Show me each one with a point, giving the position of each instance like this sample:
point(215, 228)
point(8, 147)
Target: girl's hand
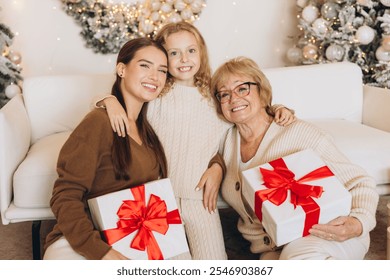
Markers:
point(210, 182)
point(339, 229)
point(284, 116)
point(118, 117)
point(113, 254)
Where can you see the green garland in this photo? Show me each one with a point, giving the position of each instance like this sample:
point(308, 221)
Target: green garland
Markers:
point(107, 26)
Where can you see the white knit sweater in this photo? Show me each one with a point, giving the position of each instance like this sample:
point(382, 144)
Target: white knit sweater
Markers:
point(190, 132)
point(282, 141)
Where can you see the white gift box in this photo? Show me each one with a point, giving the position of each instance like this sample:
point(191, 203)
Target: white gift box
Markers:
point(105, 217)
point(285, 223)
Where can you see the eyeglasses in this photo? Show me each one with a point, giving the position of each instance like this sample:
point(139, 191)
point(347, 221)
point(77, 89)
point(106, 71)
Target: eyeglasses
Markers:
point(241, 90)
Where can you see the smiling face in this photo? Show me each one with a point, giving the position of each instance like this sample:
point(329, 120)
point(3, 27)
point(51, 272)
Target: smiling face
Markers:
point(144, 76)
point(240, 110)
point(184, 57)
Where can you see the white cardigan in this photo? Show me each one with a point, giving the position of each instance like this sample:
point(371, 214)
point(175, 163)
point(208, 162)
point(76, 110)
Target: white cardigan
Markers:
point(281, 141)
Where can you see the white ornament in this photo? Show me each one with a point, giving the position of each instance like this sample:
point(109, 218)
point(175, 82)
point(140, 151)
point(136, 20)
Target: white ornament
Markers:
point(180, 5)
point(365, 34)
point(302, 3)
point(310, 51)
point(386, 43)
point(334, 53)
point(382, 55)
point(320, 26)
point(310, 13)
point(166, 8)
point(155, 16)
point(175, 17)
point(146, 26)
point(197, 6)
point(330, 10)
point(155, 5)
point(294, 55)
point(186, 14)
point(12, 90)
point(385, 2)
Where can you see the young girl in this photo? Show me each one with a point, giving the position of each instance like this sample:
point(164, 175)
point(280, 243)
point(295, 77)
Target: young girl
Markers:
point(94, 161)
point(186, 122)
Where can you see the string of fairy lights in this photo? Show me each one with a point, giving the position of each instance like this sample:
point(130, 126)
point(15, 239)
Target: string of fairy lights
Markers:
point(107, 25)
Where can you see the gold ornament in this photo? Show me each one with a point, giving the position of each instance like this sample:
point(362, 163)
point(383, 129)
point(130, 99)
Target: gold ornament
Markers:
point(15, 57)
point(382, 55)
point(386, 43)
point(301, 3)
point(364, 2)
point(310, 52)
point(5, 51)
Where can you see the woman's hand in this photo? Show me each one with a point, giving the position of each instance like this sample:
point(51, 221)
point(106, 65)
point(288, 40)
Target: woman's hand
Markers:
point(113, 254)
point(210, 182)
point(284, 116)
point(339, 229)
point(118, 117)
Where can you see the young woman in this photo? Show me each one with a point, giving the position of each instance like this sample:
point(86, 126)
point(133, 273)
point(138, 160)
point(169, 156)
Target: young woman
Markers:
point(95, 161)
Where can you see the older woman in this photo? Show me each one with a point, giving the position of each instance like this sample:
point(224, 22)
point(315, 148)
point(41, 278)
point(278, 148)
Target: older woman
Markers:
point(243, 96)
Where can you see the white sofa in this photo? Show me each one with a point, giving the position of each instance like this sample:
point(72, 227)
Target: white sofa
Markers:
point(34, 126)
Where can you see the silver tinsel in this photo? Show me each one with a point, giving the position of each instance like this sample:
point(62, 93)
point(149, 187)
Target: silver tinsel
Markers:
point(107, 26)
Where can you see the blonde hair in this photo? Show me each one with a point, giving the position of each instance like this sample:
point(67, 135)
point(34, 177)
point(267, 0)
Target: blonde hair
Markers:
point(203, 77)
point(242, 66)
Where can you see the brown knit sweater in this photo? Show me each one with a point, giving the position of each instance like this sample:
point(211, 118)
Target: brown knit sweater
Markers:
point(85, 170)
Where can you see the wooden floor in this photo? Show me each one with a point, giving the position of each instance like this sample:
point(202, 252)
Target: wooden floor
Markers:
point(15, 239)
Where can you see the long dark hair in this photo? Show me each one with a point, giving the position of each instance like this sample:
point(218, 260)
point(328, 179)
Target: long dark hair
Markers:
point(121, 154)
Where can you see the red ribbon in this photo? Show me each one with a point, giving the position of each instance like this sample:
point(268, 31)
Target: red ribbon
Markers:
point(134, 215)
point(280, 180)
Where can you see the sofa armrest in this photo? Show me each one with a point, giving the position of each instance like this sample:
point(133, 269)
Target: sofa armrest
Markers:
point(376, 104)
point(15, 138)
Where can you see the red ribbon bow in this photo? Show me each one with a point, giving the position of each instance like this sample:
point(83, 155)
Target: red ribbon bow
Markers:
point(134, 215)
point(280, 180)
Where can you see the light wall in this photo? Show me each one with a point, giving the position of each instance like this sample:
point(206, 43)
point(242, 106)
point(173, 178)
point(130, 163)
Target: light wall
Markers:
point(49, 41)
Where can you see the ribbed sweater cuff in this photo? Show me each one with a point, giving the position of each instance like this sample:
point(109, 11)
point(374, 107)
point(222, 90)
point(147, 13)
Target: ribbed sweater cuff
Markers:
point(219, 160)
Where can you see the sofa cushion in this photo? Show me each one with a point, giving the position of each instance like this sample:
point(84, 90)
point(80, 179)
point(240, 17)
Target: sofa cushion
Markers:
point(35, 176)
point(365, 146)
point(58, 103)
point(319, 91)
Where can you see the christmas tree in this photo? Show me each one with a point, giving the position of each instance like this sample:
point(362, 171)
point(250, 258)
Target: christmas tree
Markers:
point(345, 30)
point(9, 67)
